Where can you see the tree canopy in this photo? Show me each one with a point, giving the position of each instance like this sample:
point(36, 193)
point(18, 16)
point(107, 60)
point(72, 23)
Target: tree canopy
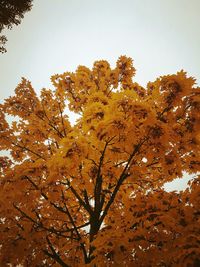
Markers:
point(11, 13)
point(91, 194)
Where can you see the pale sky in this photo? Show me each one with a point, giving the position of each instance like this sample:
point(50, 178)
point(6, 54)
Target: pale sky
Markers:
point(162, 36)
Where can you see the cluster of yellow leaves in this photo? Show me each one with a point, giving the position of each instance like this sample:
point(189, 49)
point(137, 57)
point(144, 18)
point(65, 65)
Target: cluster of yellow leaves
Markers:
point(91, 193)
point(158, 228)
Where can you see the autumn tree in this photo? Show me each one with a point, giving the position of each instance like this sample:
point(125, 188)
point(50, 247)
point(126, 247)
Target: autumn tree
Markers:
point(11, 13)
point(91, 194)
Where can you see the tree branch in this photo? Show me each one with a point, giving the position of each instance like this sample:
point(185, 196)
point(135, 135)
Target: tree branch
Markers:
point(82, 245)
point(81, 201)
point(28, 149)
point(62, 119)
point(54, 254)
point(122, 177)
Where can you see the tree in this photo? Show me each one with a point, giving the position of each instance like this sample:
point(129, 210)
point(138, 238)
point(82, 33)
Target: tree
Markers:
point(11, 13)
point(91, 194)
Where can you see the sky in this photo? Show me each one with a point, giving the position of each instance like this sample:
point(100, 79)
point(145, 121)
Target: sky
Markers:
point(161, 36)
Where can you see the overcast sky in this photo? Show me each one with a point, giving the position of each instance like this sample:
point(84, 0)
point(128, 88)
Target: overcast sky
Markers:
point(162, 36)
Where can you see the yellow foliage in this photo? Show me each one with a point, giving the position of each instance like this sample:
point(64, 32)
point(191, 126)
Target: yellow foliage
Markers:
point(92, 193)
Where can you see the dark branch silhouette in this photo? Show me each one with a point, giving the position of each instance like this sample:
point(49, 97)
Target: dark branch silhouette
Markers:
point(11, 13)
